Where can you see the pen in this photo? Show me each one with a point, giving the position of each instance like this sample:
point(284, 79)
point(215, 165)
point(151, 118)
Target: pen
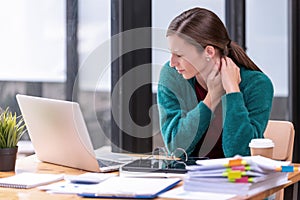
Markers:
point(110, 195)
point(84, 182)
point(289, 168)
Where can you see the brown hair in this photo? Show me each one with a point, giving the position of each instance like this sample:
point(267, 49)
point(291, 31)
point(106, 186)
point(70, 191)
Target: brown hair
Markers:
point(203, 27)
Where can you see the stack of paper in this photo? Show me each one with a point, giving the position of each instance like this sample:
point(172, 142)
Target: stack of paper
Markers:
point(238, 175)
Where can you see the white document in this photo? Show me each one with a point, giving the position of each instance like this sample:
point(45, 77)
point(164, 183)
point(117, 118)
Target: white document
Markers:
point(88, 178)
point(257, 163)
point(180, 193)
point(75, 184)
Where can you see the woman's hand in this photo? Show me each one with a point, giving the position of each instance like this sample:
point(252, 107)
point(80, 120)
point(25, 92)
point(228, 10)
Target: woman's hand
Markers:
point(214, 87)
point(230, 74)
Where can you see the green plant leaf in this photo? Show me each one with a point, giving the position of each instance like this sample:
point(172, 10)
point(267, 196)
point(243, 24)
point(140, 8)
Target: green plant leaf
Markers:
point(12, 128)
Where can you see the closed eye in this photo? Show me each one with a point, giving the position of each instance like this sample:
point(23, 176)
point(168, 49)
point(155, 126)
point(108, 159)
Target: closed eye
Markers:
point(178, 56)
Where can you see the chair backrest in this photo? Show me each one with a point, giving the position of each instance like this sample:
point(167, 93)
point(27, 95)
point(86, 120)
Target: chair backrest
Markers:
point(282, 133)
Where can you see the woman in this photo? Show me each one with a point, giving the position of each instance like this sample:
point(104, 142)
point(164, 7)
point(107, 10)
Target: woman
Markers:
point(212, 98)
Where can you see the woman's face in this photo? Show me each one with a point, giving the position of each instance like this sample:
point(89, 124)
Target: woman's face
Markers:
point(187, 60)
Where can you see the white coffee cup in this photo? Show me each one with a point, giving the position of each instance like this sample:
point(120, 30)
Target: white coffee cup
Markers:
point(262, 146)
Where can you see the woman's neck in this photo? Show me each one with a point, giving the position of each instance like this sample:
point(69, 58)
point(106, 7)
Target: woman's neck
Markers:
point(201, 81)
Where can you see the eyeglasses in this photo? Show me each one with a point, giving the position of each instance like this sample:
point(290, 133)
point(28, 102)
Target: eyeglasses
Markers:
point(162, 161)
point(179, 154)
point(176, 159)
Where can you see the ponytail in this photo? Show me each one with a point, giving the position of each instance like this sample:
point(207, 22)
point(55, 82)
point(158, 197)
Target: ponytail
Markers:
point(238, 55)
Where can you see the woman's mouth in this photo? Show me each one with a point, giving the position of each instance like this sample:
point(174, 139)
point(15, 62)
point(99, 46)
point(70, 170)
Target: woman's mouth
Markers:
point(180, 71)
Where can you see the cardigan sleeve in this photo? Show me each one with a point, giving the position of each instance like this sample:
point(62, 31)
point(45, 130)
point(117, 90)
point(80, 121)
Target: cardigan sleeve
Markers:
point(246, 114)
point(183, 120)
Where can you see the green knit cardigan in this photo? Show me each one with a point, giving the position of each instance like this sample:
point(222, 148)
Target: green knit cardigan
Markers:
point(184, 120)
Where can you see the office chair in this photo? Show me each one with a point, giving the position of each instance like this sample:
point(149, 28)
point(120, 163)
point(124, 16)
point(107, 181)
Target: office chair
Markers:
point(282, 133)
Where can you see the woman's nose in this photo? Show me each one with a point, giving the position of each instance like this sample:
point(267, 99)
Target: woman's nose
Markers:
point(173, 61)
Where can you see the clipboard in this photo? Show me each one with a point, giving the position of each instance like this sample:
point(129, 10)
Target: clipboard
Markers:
point(131, 188)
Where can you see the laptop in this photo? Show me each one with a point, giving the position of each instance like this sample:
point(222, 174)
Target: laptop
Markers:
point(59, 135)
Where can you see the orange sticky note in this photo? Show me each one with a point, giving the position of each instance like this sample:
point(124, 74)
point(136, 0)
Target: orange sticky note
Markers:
point(236, 162)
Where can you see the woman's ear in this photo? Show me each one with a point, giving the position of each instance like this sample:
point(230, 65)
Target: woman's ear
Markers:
point(210, 51)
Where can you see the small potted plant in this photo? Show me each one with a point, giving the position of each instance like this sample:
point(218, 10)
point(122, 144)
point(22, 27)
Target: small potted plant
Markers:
point(12, 127)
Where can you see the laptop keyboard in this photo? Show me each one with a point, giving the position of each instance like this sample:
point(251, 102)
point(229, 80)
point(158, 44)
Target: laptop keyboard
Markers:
point(108, 163)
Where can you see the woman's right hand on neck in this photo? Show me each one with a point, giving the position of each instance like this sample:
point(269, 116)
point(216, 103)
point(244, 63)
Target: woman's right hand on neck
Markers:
point(215, 88)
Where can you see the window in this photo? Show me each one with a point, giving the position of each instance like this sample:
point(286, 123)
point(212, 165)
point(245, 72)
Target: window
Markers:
point(94, 68)
point(32, 40)
point(267, 40)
